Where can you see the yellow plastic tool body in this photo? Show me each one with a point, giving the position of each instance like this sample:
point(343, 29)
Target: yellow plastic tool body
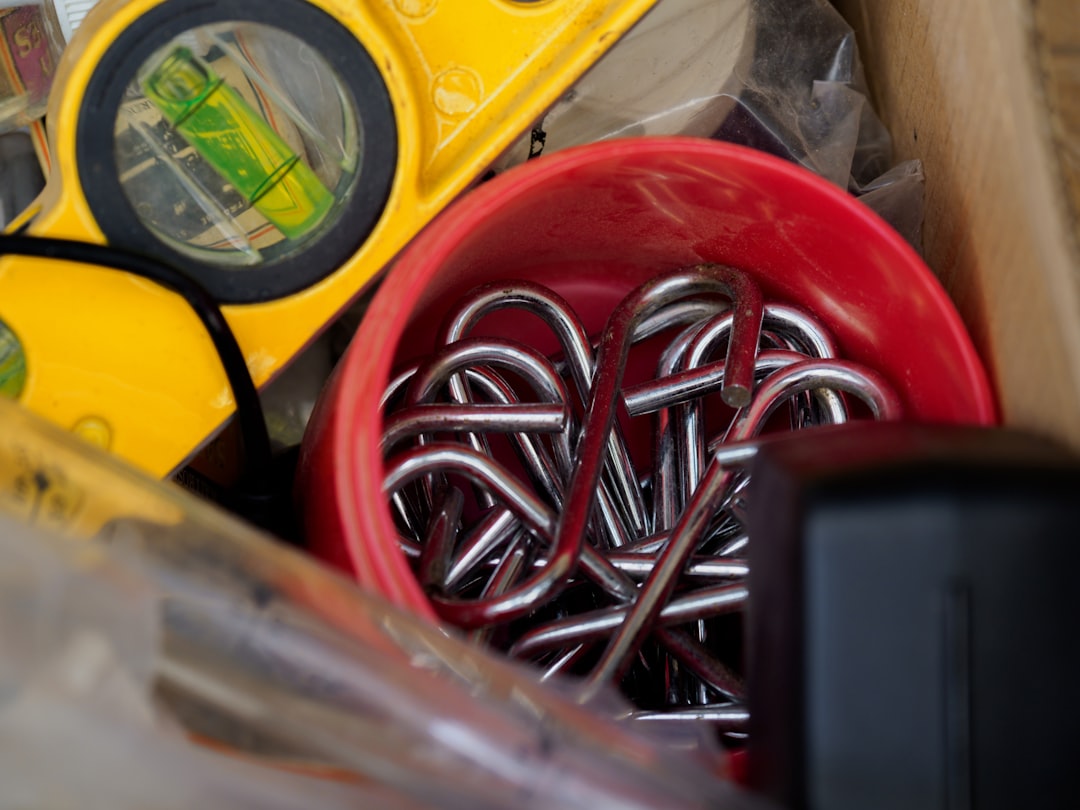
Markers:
point(126, 364)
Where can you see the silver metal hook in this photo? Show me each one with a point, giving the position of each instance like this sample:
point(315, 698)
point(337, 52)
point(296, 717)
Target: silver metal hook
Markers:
point(648, 299)
point(547, 473)
point(670, 480)
point(638, 563)
point(550, 476)
point(676, 560)
point(517, 601)
point(521, 417)
point(704, 603)
point(496, 527)
point(808, 375)
point(444, 365)
point(439, 539)
point(537, 517)
point(724, 717)
point(578, 352)
point(798, 377)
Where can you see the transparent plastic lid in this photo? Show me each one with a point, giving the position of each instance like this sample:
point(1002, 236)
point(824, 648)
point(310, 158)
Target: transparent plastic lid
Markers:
point(127, 602)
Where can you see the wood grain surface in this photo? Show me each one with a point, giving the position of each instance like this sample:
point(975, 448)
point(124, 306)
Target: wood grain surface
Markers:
point(985, 92)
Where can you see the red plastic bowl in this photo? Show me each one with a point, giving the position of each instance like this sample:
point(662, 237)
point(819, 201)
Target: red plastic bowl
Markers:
point(593, 223)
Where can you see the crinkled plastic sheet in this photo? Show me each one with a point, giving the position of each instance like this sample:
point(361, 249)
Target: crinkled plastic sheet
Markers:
point(159, 653)
point(781, 76)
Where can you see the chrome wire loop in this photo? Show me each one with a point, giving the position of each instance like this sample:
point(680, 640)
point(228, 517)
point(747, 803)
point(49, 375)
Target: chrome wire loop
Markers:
point(531, 523)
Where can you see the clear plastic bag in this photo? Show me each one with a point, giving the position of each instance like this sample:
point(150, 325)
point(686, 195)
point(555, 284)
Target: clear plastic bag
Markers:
point(200, 652)
point(782, 76)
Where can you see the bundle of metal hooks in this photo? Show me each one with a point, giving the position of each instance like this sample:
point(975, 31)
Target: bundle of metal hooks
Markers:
point(530, 525)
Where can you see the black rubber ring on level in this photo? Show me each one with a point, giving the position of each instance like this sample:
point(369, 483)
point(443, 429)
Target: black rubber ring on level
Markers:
point(275, 277)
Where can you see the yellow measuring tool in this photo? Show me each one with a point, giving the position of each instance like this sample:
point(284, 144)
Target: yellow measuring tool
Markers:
point(279, 153)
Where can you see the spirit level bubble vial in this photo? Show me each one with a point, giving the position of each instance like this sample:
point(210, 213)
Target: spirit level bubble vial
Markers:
point(279, 153)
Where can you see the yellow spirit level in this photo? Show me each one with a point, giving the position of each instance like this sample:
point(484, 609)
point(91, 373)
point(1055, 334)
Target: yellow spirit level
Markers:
point(280, 153)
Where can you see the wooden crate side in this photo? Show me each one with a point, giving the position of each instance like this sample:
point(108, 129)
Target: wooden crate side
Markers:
point(1057, 32)
point(961, 84)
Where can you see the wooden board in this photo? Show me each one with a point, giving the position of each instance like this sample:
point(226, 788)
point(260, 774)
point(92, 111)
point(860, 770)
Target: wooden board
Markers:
point(1057, 31)
point(985, 93)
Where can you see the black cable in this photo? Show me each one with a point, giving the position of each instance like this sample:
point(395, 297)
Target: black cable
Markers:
point(249, 413)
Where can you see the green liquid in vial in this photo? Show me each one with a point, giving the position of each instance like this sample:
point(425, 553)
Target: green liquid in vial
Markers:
point(237, 142)
point(12, 364)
